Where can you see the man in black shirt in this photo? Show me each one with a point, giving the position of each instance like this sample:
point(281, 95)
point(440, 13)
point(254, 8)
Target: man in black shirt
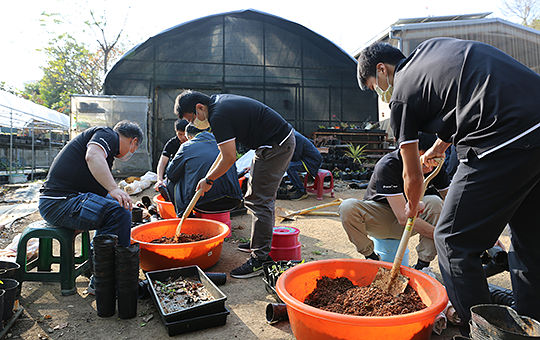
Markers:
point(485, 103)
point(80, 192)
point(382, 212)
point(170, 149)
point(240, 119)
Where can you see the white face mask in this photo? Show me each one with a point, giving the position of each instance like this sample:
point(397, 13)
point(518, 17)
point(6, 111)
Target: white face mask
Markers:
point(201, 124)
point(125, 157)
point(385, 95)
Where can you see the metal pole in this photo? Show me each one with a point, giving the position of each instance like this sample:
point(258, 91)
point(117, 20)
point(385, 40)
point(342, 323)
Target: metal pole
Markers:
point(33, 153)
point(50, 148)
point(10, 141)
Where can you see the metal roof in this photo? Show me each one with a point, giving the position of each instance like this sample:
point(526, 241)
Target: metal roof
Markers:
point(437, 22)
point(441, 18)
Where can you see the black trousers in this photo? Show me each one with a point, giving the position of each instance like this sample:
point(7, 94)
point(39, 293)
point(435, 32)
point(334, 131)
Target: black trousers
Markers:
point(485, 195)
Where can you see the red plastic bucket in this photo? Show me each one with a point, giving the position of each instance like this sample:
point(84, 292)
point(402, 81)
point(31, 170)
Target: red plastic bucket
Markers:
point(165, 209)
point(220, 217)
point(285, 244)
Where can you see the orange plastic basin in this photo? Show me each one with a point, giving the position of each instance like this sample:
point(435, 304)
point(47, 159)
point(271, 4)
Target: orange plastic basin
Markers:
point(164, 256)
point(307, 322)
point(165, 209)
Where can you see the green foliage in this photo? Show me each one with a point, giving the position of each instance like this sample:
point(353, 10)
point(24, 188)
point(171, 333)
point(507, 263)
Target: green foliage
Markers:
point(8, 88)
point(70, 69)
point(356, 152)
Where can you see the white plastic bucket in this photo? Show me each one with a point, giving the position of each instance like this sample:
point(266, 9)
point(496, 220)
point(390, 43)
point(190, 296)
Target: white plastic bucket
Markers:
point(387, 248)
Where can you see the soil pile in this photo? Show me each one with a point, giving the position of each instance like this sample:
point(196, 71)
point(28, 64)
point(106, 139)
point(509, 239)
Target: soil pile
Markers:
point(183, 238)
point(340, 295)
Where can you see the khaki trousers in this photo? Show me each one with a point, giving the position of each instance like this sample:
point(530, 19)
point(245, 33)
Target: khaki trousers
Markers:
point(362, 218)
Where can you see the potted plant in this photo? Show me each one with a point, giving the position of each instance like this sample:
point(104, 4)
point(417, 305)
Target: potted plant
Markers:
point(356, 153)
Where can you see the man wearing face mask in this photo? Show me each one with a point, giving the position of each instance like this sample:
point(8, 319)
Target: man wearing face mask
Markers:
point(80, 192)
point(240, 119)
point(485, 103)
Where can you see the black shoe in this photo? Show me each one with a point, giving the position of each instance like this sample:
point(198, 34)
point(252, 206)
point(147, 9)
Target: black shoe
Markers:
point(245, 247)
point(421, 265)
point(282, 193)
point(373, 256)
point(297, 195)
point(253, 267)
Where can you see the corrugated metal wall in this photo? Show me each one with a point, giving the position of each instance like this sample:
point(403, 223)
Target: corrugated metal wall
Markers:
point(520, 43)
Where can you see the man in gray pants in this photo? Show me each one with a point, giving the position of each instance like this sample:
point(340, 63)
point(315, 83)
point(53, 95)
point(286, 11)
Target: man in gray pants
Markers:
point(256, 126)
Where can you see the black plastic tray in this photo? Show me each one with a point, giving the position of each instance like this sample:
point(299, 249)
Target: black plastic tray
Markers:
point(191, 272)
point(197, 323)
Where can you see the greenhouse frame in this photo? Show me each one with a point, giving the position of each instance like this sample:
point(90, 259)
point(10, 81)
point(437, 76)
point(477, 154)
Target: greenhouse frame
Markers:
point(306, 78)
point(31, 135)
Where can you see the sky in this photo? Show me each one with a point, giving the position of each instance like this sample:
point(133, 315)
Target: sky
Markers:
point(349, 24)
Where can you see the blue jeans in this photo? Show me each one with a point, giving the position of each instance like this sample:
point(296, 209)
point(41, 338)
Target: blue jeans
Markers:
point(89, 211)
point(292, 172)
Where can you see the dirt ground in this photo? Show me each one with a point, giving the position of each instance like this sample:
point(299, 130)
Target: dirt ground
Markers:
point(49, 315)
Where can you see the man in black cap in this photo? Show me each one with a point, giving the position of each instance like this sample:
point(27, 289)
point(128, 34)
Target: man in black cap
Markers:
point(240, 119)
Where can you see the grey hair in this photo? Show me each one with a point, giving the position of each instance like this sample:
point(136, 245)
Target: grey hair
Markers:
point(130, 130)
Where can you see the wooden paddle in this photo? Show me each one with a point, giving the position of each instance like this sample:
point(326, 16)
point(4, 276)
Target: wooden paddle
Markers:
point(392, 281)
point(194, 201)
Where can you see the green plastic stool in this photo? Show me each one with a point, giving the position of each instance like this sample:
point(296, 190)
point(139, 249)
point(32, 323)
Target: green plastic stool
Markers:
point(70, 266)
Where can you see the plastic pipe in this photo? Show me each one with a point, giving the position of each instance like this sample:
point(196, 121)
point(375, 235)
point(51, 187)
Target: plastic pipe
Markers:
point(276, 312)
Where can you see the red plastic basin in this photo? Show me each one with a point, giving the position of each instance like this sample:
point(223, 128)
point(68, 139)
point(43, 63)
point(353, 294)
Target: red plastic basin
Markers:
point(164, 256)
point(165, 209)
point(311, 323)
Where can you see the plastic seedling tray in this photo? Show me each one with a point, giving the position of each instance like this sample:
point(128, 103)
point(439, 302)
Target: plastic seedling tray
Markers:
point(194, 273)
point(272, 270)
point(197, 323)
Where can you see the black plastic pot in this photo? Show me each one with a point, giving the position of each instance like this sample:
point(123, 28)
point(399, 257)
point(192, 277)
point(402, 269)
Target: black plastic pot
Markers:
point(105, 282)
point(276, 312)
point(8, 269)
point(136, 215)
point(10, 286)
point(501, 322)
point(127, 280)
point(105, 300)
point(2, 293)
point(218, 279)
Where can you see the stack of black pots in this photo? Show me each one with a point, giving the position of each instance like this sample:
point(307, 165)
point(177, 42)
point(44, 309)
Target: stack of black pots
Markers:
point(104, 276)
point(116, 277)
point(9, 290)
point(127, 280)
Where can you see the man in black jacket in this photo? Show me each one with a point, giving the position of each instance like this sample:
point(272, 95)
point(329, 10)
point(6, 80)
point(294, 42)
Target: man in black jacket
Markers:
point(306, 158)
point(190, 164)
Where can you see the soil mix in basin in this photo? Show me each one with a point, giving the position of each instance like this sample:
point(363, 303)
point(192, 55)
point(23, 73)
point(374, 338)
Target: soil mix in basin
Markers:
point(179, 294)
point(340, 295)
point(183, 238)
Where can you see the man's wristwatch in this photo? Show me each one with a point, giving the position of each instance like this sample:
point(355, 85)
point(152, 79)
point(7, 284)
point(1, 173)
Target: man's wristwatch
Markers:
point(209, 181)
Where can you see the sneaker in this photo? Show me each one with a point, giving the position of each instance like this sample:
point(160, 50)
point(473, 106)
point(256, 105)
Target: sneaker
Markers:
point(282, 193)
point(421, 265)
point(373, 256)
point(91, 289)
point(245, 247)
point(253, 267)
point(298, 195)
